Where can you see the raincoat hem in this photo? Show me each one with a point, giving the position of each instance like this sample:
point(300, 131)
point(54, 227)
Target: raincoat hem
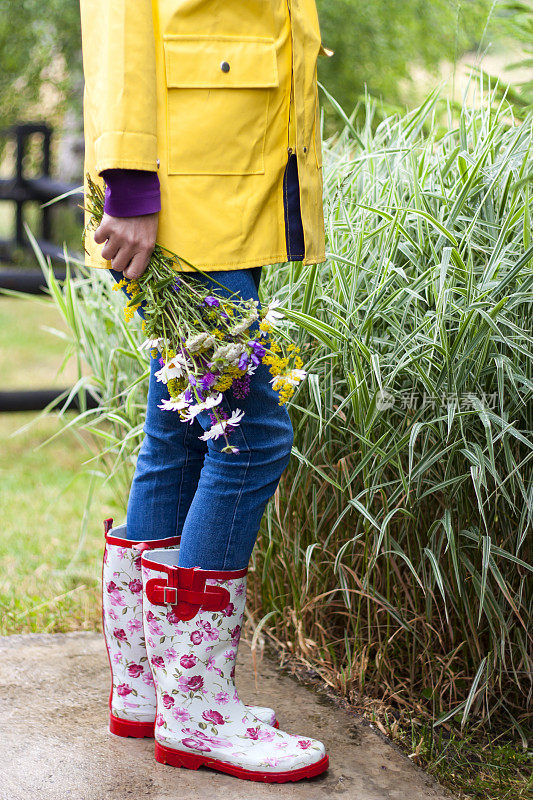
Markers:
point(277, 258)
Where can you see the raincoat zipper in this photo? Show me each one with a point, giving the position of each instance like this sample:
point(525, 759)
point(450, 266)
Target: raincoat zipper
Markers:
point(291, 132)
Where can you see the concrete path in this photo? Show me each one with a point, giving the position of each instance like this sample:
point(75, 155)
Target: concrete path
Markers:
point(54, 742)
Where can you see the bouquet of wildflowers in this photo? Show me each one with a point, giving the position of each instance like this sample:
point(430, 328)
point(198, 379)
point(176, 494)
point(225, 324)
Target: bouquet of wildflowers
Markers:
point(206, 343)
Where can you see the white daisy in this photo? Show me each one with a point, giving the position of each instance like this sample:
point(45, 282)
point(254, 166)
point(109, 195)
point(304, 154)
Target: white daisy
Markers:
point(294, 377)
point(272, 315)
point(174, 368)
point(174, 404)
point(194, 410)
point(217, 430)
point(151, 344)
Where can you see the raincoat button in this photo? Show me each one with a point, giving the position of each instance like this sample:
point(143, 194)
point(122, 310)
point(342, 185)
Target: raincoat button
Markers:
point(224, 66)
point(158, 163)
point(305, 149)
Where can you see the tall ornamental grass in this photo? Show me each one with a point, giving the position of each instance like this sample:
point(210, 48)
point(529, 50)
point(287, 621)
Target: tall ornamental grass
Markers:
point(395, 556)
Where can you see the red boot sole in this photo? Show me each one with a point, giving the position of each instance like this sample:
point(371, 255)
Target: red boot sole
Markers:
point(137, 730)
point(178, 758)
point(124, 727)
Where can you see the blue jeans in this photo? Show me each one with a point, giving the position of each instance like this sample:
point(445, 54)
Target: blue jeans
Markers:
point(186, 487)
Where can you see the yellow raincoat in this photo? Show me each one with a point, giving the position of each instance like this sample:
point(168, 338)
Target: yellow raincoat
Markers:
point(214, 95)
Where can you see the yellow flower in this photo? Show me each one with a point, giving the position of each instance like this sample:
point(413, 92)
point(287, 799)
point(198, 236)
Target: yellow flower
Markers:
point(129, 312)
point(173, 387)
point(132, 287)
point(223, 383)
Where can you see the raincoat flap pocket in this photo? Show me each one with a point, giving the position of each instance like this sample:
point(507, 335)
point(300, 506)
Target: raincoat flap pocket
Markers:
point(204, 61)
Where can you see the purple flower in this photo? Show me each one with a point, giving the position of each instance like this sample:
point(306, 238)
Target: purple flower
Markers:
point(161, 362)
point(221, 415)
point(176, 285)
point(241, 387)
point(211, 301)
point(192, 380)
point(207, 380)
point(257, 348)
point(244, 360)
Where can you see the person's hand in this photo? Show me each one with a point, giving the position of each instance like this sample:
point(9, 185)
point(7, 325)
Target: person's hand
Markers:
point(130, 242)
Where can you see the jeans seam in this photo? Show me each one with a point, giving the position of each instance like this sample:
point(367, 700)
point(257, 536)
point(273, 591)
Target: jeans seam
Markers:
point(230, 535)
point(184, 467)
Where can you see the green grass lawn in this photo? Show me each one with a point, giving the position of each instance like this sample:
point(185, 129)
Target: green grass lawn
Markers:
point(30, 356)
point(50, 561)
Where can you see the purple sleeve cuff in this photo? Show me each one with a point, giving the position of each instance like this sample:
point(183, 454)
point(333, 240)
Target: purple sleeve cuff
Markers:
point(131, 192)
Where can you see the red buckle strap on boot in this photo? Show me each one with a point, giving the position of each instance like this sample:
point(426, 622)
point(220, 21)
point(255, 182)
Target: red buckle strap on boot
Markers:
point(186, 592)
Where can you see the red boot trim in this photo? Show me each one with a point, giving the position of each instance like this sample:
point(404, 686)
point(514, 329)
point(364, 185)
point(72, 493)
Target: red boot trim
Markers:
point(217, 574)
point(124, 727)
point(151, 544)
point(178, 758)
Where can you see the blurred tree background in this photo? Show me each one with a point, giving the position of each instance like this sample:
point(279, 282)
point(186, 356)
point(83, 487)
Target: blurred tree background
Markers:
point(377, 44)
point(40, 45)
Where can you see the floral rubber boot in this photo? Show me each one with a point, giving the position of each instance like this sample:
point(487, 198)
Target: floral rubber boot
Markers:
point(192, 623)
point(132, 700)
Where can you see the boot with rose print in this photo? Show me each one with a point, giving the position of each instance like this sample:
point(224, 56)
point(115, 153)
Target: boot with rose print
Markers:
point(132, 700)
point(192, 623)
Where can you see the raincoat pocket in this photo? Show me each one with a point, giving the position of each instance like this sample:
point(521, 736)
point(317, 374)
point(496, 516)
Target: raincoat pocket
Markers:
point(218, 93)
